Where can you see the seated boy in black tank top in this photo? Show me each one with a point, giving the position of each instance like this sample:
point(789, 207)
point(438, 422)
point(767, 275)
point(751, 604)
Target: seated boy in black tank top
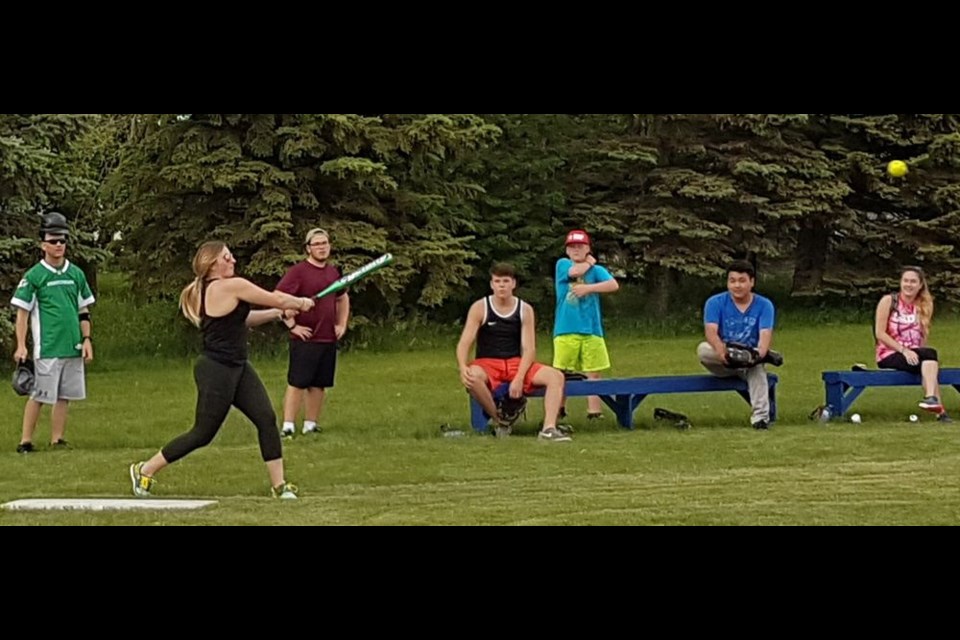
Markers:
point(502, 326)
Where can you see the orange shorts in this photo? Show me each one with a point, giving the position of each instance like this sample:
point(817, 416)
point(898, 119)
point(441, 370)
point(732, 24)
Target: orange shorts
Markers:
point(499, 371)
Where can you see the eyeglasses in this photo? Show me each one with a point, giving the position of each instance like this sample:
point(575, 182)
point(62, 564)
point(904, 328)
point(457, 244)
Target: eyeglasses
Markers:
point(56, 241)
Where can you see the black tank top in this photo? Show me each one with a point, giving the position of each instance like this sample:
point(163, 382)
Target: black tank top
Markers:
point(225, 338)
point(499, 336)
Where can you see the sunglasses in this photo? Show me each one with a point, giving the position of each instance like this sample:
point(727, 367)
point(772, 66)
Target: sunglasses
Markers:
point(57, 241)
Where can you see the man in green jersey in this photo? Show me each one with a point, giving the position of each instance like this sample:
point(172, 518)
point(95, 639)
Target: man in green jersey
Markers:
point(53, 299)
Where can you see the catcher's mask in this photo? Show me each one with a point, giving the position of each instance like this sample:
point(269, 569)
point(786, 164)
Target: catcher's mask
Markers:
point(510, 409)
point(741, 356)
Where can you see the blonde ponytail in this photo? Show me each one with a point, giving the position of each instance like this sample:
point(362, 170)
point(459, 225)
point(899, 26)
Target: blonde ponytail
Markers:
point(203, 261)
point(190, 301)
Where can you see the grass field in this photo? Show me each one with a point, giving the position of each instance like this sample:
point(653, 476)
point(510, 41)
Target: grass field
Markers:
point(382, 460)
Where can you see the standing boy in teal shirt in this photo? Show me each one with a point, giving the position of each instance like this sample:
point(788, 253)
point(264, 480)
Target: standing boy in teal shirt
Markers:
point(578, 338)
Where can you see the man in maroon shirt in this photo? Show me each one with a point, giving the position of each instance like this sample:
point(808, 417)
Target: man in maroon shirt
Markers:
point(313, 334)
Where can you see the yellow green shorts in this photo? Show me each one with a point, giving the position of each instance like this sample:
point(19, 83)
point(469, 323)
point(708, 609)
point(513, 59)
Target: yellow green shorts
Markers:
point(578, 352)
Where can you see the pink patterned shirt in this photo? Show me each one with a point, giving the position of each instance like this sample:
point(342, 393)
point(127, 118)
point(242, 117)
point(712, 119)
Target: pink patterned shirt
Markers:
point(904, 326)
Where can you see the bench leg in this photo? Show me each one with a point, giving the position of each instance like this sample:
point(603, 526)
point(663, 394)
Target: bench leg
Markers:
point(851, 394)
point(623, 406)
point(635, 401)
point(478, 418)
point(833, 397)
point(614, 405)
point(773, 403)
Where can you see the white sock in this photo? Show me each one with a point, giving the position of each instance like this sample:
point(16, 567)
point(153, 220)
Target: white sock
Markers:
point(289, 426)
point(309, 425)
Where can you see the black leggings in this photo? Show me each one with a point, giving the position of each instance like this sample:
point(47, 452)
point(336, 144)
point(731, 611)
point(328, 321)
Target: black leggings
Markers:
point(219, 387)
point(899, 362)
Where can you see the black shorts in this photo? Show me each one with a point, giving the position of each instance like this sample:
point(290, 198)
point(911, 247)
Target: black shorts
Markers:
point(899, 362)
point(312, 364)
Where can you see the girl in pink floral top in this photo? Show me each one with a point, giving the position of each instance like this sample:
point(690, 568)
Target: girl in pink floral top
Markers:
point(902, 325)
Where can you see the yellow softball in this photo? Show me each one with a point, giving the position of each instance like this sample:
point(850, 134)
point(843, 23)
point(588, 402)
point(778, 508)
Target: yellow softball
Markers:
point(897, 168)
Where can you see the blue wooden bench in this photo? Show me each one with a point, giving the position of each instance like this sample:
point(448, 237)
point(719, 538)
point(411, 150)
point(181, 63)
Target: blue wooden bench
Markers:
point(624, 395)
point(842, 388)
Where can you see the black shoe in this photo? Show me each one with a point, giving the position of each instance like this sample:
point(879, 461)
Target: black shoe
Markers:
point(25, 447)
point(594, 416)
point(60, 444)
point(562, 413)
point(761, 425)
point(773, 358)
point(943, 417)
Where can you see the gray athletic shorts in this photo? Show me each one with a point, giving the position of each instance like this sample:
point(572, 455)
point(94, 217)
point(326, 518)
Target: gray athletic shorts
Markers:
point(58, 379)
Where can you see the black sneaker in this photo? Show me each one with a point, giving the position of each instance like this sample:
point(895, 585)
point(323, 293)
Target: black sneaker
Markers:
point(943, 417)
point(25, 447)
point(60, 444)
point(931, 403)
point(761, 425)
point(595, 416)
point(553, 435)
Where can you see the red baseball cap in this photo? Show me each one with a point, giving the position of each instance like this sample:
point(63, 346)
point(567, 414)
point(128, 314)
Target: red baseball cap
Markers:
point(577, 236)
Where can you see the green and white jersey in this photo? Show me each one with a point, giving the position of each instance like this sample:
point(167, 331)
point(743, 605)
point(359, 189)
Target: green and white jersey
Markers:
point(54, 298)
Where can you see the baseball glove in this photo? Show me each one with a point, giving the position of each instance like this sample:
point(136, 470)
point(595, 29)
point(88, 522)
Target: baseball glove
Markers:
point(741, 356)
point(679, 420)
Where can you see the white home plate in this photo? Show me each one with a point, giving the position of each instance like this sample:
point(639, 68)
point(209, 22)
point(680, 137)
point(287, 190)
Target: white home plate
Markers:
point(101, 504)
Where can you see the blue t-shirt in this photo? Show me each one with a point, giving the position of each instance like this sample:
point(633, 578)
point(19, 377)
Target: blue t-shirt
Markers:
point(737, 326)
point(578, 315)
